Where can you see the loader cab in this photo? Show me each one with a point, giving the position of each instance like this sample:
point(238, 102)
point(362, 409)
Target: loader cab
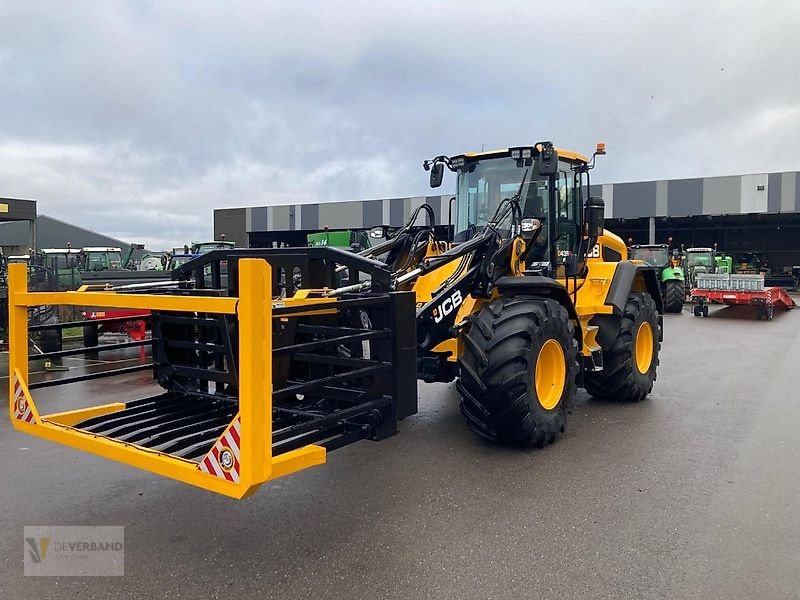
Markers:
point(700, 260)
point(64, 264)
point(556, 200)
point(653, 256)
point(100, 259)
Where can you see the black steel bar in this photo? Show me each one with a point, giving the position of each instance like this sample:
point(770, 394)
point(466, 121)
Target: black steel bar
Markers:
point(366, 334)
point(203, 374)
point(282, 311)
point(181, 320)
point(297, 413)
point(330, 330)
point(206, 346)
point(345, 439)
point(157, 413)
point(301, 388)
point(343, 361)
point(176, 434)
point(333, 418)
point(332, 437)
point(86, 322)
point(132, 410)
point(339, 394)
point(94, 349)
point(164, 423)
point(89, 376)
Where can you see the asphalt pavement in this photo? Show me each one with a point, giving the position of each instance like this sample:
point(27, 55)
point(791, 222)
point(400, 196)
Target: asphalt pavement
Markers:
point(692, 493)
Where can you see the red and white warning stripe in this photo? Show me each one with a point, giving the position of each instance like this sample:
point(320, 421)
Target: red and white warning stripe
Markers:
point(223, 459)
point(22, 409)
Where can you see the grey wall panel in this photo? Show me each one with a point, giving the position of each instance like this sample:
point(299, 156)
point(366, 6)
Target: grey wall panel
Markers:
point(298, 216)
point(608, 197)
point(396, 213)
point(721, 195)
point(309, 216)
point(387, 217)
point(258, 219)
point(279, 220)
point(754, 200)
point(684, 197)
point(774, 192)
point(372, 213)
point(661, 198)
point(797, 191)
point(436, 204)
point(788, 190)
point(633, 200)
point(341, 215)
point(410, 205)
point(231, 222)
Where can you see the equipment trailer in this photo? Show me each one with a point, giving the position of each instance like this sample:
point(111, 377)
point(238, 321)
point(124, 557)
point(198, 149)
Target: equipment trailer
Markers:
point(738, 289)
point(764, 300)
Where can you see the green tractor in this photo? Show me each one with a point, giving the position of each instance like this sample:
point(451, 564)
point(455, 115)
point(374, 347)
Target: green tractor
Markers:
point(698, 261)
point(205, 247)
point(673, 285)
point(724, 263)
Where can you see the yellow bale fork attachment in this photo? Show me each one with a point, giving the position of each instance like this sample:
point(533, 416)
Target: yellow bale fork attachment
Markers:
point(258, 383)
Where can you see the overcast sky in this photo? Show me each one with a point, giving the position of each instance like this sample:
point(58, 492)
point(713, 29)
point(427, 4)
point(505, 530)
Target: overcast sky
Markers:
point(136, 119)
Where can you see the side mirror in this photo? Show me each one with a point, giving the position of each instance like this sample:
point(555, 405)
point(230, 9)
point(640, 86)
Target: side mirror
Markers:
point(594, 217)
point(547, 160)
point(437, 174)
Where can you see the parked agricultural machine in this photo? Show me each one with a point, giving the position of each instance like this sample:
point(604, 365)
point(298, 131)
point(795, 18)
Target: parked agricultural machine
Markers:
point(673, 286)
point(261, 379)
point(739, 289)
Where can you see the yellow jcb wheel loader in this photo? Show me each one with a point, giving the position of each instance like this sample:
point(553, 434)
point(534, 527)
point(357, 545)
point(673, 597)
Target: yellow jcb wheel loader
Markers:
point(533, 298)
point(270, 358)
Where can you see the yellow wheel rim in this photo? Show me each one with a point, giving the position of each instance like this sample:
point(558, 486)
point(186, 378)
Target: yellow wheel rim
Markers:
point(551, 372)
point(644, 347)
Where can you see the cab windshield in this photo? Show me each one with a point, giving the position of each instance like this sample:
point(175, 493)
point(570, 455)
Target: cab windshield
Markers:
point(482, 185)
point(699, 259)
point(99, 261)
point(181, 259)
point(653, 257)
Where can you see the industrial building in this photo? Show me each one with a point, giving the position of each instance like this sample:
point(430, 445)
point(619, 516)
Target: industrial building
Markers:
point(21, 229)
point(757, 213)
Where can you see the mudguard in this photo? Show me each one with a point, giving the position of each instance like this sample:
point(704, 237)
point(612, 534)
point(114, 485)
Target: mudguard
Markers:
point(671, 273)
point(623, 282)
point(544, 287)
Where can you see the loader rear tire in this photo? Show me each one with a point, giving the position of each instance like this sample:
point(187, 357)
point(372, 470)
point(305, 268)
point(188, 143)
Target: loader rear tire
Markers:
point(630, 362)
point(673, 296)
point(518, 371)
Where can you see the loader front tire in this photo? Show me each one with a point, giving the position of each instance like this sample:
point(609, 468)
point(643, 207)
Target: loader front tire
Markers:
point(518, 371)
point(673, 296)
point(630, 362)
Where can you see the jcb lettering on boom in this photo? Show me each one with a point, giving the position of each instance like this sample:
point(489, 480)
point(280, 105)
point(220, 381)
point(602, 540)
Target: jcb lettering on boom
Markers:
point(447, 306)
